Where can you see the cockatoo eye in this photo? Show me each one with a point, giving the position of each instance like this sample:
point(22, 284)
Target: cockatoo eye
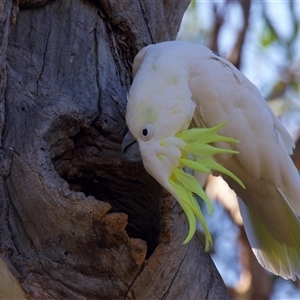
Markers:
point(147, 132)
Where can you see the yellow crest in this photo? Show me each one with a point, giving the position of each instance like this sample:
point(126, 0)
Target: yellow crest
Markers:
point(197, 155)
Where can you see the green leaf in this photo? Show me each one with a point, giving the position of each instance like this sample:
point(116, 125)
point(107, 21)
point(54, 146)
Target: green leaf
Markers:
point(268, 36)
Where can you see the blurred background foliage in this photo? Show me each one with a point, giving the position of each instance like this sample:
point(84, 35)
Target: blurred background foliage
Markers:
point(262, 39)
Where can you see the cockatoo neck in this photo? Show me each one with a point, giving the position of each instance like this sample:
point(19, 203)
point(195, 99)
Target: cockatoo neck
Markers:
point(160, 157)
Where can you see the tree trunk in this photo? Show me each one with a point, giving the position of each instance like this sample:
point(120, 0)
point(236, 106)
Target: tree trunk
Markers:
point(77, 222)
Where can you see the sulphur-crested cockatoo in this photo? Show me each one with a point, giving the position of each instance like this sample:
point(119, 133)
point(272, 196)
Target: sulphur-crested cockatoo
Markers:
point(192, 112)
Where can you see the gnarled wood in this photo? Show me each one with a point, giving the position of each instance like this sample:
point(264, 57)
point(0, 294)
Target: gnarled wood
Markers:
point(77, 221)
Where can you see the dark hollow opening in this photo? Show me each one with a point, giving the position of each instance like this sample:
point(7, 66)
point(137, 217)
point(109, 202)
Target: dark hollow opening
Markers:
point(99, 172)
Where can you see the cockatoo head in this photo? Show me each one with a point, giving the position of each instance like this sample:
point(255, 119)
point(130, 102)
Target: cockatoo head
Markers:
point(154, 117)
point(159, 113)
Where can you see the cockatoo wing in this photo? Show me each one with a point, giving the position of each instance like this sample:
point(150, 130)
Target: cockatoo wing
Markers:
point(272, 194)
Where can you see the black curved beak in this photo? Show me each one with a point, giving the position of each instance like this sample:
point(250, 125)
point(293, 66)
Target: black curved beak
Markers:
point(130, 149)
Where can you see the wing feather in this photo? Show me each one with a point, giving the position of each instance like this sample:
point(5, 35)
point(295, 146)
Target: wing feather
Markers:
point(272, 194)
point(223, 93)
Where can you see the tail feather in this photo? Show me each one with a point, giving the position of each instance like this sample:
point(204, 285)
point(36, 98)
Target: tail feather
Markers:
point(270, 216)
point(281, 258)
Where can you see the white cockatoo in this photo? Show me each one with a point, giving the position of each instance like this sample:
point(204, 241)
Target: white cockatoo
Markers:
point(193, 113)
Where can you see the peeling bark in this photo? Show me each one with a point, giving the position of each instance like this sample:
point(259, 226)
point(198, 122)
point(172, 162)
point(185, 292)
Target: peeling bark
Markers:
point(76, 221)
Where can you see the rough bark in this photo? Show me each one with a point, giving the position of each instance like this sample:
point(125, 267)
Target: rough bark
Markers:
point(77, 222)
